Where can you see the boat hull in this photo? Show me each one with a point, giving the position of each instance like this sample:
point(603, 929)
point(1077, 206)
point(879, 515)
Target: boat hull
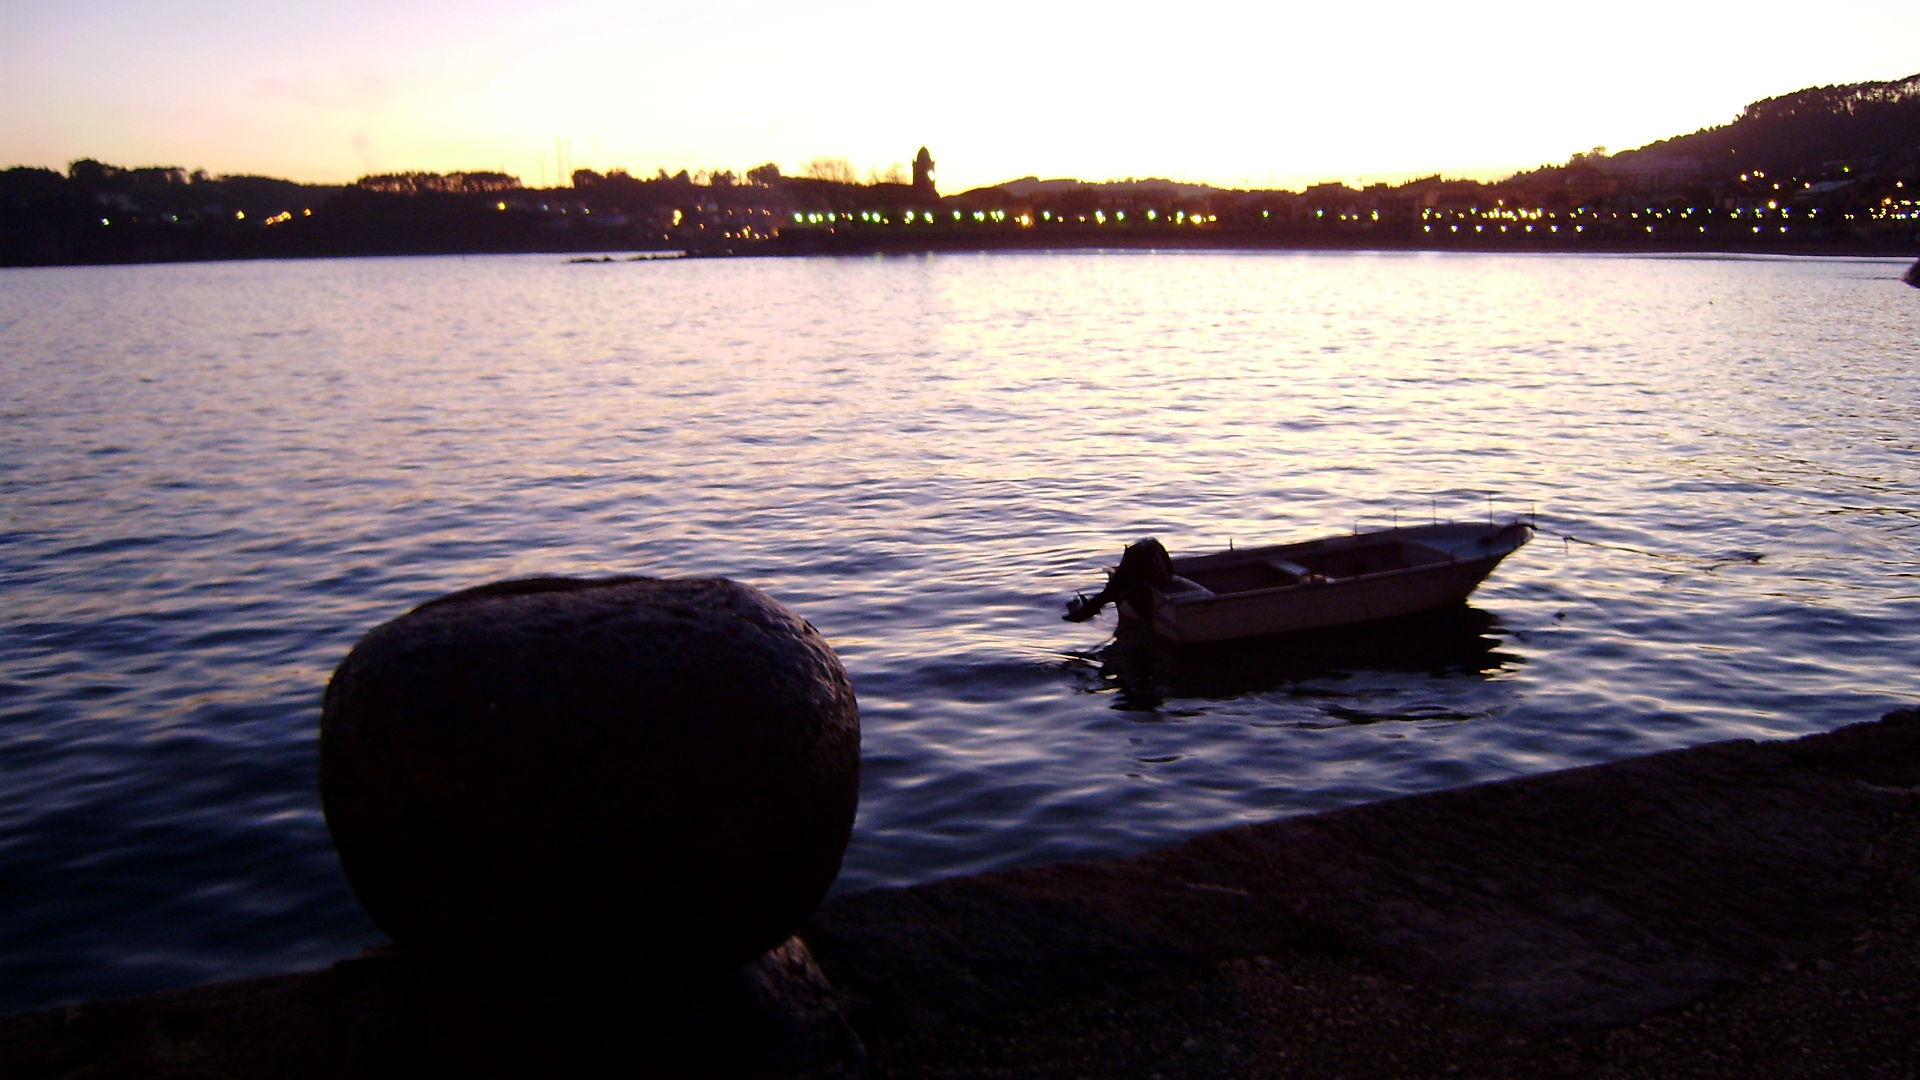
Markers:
point(1340, 581)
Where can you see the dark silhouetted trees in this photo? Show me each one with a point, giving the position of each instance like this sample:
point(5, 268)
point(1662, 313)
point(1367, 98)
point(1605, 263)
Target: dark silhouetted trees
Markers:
point(1805, 130)
point(1844, 157)
point(458, 183)
point(833, 170)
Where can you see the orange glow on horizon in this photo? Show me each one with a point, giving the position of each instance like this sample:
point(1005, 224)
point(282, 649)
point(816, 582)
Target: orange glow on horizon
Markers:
point(431, 86)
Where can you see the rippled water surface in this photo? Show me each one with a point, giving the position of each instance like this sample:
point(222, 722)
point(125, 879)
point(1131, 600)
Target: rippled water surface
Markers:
point(214, 478)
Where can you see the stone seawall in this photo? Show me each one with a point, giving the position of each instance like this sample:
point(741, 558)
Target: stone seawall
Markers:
point(1735, 910)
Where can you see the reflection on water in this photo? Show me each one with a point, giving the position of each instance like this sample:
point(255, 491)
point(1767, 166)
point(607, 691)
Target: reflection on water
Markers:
point(1146, 673)
point(214, 478)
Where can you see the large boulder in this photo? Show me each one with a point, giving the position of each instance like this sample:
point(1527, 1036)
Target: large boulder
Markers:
point(626, 771)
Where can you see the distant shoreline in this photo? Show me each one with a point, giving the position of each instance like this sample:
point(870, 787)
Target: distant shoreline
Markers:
point(883, 244)
point(1063, 240)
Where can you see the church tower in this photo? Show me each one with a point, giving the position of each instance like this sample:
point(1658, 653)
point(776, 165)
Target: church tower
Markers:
point(923, 175)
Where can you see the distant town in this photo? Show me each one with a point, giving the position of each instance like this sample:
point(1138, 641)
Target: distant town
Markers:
point(1824, 169)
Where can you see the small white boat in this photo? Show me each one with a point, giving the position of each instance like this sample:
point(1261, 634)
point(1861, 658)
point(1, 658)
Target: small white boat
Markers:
point(1287, 588)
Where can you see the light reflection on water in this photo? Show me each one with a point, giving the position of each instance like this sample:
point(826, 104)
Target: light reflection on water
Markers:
point(215, 478)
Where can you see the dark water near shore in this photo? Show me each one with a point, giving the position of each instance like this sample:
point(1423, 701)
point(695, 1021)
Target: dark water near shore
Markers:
point(214, 478)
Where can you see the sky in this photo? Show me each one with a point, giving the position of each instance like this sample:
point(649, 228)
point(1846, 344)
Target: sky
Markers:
point(1257, 95)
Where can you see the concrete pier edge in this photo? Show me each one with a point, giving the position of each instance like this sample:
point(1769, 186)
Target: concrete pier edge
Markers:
point(1731, 910)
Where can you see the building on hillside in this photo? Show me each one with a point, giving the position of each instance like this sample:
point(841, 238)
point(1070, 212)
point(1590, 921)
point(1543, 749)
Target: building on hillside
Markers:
point(923, 175)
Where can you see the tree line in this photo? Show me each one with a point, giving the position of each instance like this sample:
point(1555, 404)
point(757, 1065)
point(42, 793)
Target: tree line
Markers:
point(98, 212)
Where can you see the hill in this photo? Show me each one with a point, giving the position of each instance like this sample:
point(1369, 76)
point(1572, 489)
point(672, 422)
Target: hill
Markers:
point(1812, 132)
point(1870, 124)
point(1029, 186)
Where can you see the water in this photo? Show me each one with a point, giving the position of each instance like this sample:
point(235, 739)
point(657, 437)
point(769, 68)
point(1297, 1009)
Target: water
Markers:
point(214, 478)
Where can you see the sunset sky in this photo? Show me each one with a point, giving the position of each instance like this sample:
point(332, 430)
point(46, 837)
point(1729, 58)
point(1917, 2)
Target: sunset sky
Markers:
point(1262, 95)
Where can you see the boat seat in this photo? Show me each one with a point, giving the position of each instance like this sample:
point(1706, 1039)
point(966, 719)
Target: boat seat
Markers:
point(1292, 569)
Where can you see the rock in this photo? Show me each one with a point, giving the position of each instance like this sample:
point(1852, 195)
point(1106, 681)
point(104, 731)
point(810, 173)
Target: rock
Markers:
point(622, 772)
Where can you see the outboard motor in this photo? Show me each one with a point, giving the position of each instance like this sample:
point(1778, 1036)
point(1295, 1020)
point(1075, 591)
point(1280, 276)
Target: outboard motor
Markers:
point(1144, 563)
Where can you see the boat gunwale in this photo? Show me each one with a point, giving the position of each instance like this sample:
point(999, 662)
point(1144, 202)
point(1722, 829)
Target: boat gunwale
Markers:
point(1447, 558)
